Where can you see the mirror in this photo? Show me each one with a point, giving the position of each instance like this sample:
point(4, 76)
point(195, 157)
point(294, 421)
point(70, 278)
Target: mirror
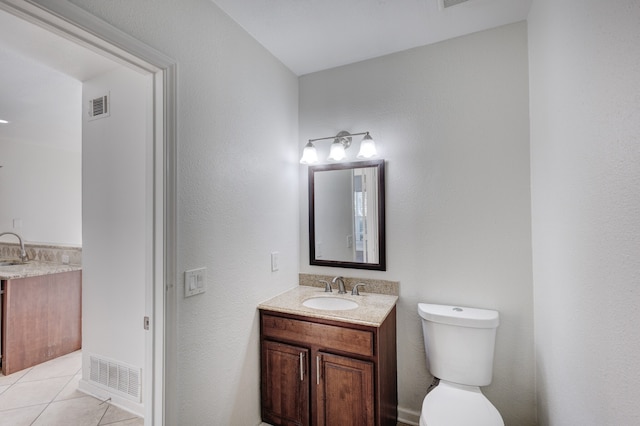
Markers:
point(346, 215)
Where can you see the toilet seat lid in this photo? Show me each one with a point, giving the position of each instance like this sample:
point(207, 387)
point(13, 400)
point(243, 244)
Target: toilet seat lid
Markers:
point(451, 405)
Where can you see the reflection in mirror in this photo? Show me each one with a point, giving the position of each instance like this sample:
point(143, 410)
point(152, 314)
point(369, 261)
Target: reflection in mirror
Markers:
point(346, 215)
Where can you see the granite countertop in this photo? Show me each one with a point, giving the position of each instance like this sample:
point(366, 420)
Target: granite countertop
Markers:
point(34, 268)
point(372, 310)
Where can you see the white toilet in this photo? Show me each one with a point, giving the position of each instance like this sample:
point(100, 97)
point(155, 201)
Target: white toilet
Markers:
point(459, 343)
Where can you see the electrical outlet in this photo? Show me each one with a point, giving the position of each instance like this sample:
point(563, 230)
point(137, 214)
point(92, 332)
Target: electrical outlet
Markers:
point(195, 282)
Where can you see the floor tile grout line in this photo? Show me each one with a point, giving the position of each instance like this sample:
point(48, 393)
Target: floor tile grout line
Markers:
point(24, 372)
point(38, 416)
point(63, 387)
point(25, 406)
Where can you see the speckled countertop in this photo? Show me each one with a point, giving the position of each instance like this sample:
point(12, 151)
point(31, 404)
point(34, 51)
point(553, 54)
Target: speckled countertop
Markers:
point(34, 268)
point(372, 310)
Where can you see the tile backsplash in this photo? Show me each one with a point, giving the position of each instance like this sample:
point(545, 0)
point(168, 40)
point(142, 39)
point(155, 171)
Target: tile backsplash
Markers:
point(42, 252)
point(371, 286)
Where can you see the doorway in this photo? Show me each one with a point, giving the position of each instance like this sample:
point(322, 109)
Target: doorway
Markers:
point(160, 277)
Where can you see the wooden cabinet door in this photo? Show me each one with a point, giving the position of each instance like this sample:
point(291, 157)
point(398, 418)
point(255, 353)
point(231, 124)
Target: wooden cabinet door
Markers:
point(285, 384)
point(345, 391)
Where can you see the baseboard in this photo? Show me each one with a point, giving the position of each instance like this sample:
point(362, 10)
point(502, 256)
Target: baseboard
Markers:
point(103, 394)
point(408, 417)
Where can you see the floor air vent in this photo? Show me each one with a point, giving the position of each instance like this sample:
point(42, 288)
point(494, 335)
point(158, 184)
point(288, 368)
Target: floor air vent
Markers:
point(115, 376)
point(99, 107)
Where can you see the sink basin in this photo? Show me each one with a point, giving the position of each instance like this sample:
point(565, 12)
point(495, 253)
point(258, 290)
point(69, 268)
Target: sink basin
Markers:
point(330, 303)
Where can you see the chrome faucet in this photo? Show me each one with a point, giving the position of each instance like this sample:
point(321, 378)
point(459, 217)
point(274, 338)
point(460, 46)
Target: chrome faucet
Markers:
point(340, 282)
point(23, 252)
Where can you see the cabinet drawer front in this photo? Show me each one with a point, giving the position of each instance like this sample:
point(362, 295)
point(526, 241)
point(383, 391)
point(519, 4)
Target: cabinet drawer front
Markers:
point(343, 339)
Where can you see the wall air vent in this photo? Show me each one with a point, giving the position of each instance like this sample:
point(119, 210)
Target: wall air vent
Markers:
point(449, 3)
point(99, 107)
point(116, 377)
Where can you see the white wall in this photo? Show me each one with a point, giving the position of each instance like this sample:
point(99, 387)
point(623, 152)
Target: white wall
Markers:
point(585, 170)
point(41, 186)
point(237, 195)
point(451, 121)
point(116, 219)
point(40, 181)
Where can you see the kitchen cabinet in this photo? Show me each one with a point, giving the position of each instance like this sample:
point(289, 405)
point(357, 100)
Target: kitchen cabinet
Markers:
point(41, 319)
point(324, 372)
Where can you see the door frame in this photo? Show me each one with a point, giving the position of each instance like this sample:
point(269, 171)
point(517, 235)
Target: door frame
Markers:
point(77, 25)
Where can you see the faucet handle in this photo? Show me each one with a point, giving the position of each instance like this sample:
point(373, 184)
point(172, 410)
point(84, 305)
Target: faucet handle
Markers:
point(327, 286)
point(355, 291)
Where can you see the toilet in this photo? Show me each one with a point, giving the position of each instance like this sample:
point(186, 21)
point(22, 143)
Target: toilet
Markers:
point(459, 343)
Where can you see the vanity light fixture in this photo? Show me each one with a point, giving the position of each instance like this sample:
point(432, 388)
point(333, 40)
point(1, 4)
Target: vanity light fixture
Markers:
point(340, 143)
point(3, 121)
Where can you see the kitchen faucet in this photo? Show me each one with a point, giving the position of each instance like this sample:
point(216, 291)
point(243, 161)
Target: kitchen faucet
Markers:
point(23, 252)
point(340, 281)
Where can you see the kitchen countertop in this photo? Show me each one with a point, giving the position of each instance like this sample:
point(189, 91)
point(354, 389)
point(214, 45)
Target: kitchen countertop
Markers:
point(34, 268)
point(372, 310)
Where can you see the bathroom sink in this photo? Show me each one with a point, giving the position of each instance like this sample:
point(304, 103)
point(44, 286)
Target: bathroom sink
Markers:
point(330, 303)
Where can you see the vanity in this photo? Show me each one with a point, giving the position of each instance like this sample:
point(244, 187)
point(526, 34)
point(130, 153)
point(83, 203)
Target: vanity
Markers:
point(329, 358)
point(328, 366)
point(41, 313)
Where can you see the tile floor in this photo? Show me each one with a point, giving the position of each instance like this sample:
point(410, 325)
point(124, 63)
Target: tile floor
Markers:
point(47, 395)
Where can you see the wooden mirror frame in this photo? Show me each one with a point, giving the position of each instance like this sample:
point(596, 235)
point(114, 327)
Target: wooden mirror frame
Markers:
point(381, 265)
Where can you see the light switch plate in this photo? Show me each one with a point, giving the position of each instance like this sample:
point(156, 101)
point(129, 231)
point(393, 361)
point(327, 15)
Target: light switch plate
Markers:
point(195, 282)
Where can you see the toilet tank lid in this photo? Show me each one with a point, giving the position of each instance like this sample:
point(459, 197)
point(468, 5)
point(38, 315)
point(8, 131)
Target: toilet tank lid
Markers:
point(459, 315)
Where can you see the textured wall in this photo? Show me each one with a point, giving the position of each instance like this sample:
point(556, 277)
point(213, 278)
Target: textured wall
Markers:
point(237, 195)
point(451, 120)
point(585, 168)
point(115, 213)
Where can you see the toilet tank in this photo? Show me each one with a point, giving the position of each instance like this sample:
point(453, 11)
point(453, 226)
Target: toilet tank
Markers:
point(459, 342)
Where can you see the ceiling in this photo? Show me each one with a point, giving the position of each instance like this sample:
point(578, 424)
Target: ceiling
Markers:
point(313, 35)
point(40, 84)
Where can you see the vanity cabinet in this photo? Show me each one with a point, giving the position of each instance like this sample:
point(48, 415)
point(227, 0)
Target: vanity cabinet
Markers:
point(322, 372)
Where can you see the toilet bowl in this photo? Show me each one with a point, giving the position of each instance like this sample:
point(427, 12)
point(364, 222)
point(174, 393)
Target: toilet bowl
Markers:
point(459, 343)
point(450, 404)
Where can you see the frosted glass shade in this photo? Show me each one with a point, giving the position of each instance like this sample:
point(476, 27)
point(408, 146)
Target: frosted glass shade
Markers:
point(309, 154)
point(367, 147)
point(337, 152)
